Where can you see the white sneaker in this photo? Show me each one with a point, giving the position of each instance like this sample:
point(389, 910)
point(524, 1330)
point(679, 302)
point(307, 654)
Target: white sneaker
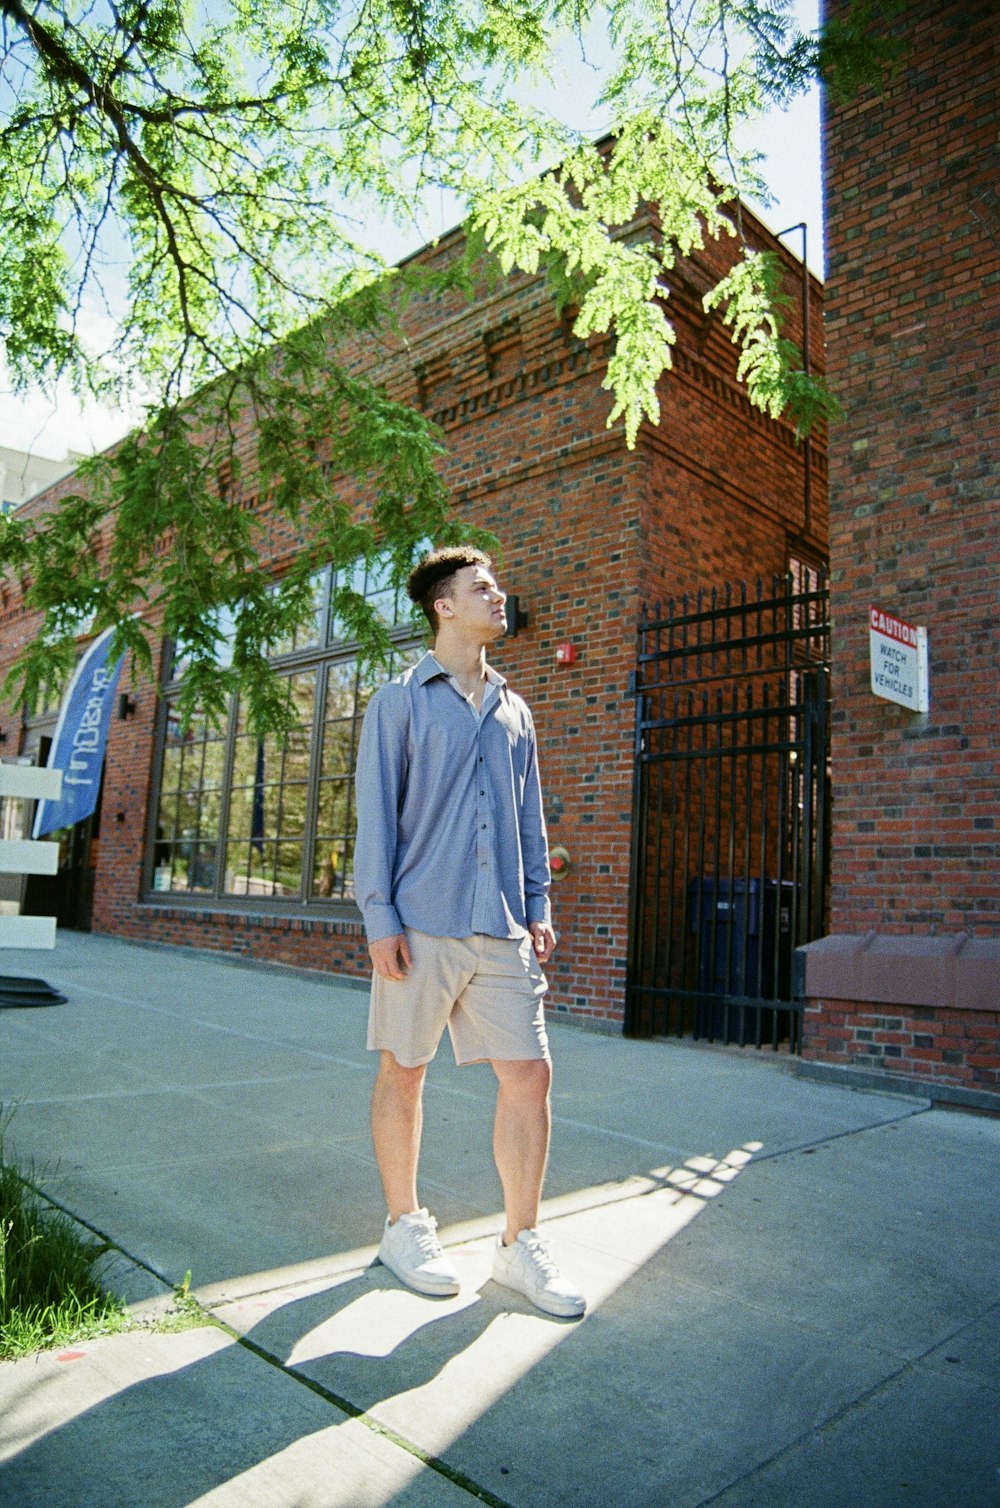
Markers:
point(413, 1252)
point(527, 1267)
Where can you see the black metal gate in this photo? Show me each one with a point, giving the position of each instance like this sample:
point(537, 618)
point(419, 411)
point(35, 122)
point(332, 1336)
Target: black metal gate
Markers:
point(730, 811)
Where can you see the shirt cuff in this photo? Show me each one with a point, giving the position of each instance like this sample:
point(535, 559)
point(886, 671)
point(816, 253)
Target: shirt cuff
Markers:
point(538, 909)
point(381, 921)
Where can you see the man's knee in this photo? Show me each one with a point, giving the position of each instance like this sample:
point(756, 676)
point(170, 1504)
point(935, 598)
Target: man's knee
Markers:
point(527, 1081)
point(396, 1079)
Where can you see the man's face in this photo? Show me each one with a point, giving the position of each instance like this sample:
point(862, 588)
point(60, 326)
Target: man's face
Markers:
point(475, 604)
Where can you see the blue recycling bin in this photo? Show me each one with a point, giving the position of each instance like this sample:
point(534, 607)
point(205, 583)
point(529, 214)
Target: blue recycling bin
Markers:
point(738, 928)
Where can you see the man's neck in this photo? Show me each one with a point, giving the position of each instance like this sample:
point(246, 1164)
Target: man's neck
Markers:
point(466, 662)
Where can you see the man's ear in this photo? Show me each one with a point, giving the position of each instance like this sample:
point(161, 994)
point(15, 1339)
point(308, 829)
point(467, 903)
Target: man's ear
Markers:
point(443, 607)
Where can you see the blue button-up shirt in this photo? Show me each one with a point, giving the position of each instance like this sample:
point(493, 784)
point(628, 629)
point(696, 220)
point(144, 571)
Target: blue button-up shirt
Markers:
point(451, 836)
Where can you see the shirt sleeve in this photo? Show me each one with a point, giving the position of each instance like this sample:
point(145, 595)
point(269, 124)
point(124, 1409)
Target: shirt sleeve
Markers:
point(380, 778)
point(534, 841)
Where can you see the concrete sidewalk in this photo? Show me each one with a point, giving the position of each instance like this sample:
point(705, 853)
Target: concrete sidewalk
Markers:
point(793, 1287)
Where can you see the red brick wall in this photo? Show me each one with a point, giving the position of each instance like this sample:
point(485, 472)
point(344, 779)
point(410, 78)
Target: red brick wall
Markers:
point(913, 351)
point(940, 1049)
point(741, 470)
point(913, 348)
point(581, 520)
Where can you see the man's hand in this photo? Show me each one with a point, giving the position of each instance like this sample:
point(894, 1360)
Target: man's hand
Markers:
point(390, 956)
point(544, 939)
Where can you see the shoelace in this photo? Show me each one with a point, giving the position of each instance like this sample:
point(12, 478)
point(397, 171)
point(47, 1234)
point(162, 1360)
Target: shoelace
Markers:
point(540, 1257)
point(424, 1238)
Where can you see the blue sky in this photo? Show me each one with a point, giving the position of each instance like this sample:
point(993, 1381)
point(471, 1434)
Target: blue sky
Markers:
point(791, 144)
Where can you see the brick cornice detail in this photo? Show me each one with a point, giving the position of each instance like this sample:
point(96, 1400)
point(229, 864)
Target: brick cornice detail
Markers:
point(583, 361)
point(575, 454)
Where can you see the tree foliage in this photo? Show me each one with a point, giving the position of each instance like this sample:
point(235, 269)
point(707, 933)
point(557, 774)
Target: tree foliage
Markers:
point(205, 171)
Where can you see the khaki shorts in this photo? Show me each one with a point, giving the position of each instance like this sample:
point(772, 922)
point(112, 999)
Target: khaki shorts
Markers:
point(488, 991)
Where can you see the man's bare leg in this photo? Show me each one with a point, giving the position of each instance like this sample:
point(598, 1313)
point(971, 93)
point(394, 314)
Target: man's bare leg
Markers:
point(397, 1123)
point(409, 1247)
point(521, 1146)
point(521, 1139)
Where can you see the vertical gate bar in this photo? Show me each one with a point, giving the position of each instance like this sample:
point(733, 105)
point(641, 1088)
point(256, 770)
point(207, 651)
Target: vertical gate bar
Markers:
point(785, 857)
point(685, 637)
point(806, 793)
point(732, 759)
point(749, 772)
point(765, 756)
point(670, 962)
point(765, 767)
point(822, 805)
point(700, 869)
point(754, 752)
point(715, 755)
point(686, 872)
point(637, 861)
point(729, 637)
point(743, 624)
point(807, 788)
point(657, 768)
point(651, 929)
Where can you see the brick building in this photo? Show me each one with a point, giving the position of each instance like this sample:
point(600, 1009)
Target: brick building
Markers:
point(906, 985)
point(213, 841)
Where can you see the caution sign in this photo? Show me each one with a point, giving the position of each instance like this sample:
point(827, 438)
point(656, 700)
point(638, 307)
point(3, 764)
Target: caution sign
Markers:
point(899, 661)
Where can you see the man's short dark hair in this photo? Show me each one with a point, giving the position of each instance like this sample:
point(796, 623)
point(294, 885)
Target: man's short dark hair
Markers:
point(434, 575)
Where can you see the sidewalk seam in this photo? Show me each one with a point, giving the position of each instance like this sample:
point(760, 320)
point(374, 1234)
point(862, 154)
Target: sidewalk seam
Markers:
point(846, 1409)
point(433, 1463)
point(826, 1141)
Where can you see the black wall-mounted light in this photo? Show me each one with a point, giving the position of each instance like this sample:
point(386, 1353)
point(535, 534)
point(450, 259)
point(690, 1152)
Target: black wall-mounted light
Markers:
point(126, 706)
point(3, 736)
point(517, 617)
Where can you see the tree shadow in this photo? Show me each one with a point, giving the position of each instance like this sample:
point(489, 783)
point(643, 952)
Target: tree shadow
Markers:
point(172, 1438)
point(317, 1359)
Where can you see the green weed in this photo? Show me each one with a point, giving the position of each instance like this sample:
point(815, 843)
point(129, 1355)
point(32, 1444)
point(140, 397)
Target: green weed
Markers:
point(50, 1293)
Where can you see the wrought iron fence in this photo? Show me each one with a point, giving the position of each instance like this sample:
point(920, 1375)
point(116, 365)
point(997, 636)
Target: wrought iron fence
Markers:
point(730, 811)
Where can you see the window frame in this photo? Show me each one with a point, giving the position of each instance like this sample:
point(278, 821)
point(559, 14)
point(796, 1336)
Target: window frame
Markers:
point(321, 656)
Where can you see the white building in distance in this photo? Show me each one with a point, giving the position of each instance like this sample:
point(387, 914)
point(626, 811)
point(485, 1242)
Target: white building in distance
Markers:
point(23, 474)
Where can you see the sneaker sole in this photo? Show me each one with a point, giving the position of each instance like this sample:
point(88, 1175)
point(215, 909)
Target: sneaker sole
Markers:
point(558, 1308)
point(445, 1288)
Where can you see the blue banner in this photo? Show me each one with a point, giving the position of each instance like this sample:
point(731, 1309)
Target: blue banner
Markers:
point(81, 738)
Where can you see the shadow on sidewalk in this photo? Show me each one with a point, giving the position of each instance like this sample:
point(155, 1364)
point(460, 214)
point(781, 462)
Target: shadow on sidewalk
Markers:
point(431, 1370)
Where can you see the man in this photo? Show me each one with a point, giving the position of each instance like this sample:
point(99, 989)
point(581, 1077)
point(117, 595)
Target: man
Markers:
point(451, 874)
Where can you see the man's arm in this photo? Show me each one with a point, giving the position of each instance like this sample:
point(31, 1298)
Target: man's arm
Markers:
point(380, 779)
point(535, 853)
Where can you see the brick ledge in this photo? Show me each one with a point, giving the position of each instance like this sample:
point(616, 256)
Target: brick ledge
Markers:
point(273, 920)
point(951, 971)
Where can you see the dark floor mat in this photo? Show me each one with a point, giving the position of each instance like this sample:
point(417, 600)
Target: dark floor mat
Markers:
point(18, 991)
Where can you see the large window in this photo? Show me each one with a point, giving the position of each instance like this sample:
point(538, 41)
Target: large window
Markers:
point(189, 809)
point(248, 820)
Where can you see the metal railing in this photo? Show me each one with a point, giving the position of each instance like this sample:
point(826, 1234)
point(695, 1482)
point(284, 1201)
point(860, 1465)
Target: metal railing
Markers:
point(730, 812)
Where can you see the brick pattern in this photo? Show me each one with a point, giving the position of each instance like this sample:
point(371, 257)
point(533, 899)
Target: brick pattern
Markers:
point(914, 355)
point(913, 340)
point(590, 530)
point(953, 1048)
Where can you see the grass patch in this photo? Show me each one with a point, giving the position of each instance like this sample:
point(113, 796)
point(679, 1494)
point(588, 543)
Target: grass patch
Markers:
point(50, 1292)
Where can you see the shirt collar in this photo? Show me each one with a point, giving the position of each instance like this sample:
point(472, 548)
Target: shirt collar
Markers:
point(429, 667)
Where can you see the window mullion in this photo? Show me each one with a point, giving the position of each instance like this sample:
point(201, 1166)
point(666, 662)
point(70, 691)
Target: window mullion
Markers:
point(312, 787)
point(224, 796)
